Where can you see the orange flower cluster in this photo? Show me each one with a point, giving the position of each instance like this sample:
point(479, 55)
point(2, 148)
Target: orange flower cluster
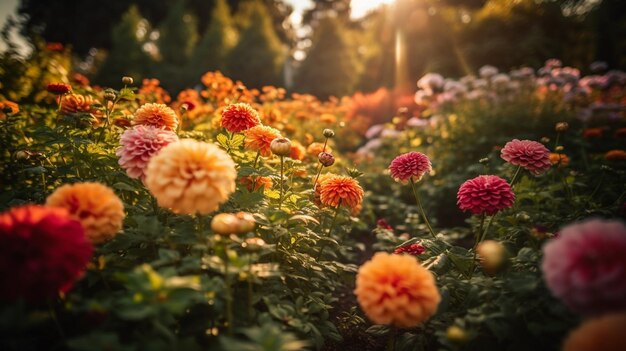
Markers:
point(95, 205)
point(615, 155)
point(222, 91)
point(271, 93)
point(298, 152)
point(156, 115)
point(255, 183)
point(338, 190)
point(560, 160)
point(151, 91)
point(315, 148)
point(259, 138)
point(9, 107)
point(396, 290)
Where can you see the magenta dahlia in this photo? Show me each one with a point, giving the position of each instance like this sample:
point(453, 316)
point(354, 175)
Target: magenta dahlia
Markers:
point(412, 165)
point(139, 144)
point(529, 154)
point(585, 266)
point(485, 194)
point(42, 252)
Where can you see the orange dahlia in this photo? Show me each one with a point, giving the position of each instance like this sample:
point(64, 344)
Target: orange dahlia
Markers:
point(95, 205)
point(396, 290)
point(255, 183)
point(605, 333)
point(259, 138)
point(239, 117)
point(297, 151)
point(7, 107)
point(328, 118)
point(315, 148)
point(77, 103)
point(156, 115)
point(335, 190)
point(560, 160)
point(615, 155)
point(191, 177)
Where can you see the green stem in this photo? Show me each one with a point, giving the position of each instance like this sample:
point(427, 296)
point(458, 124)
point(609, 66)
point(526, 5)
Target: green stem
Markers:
point(484, 235)
point(419, 205)
point(280, 199)
point(391, 343)
point(514, 179)
point(229, 294)
point(478, 235)
point(250, 290)
point(319, 171)
point(330, 231)
point(256, 159)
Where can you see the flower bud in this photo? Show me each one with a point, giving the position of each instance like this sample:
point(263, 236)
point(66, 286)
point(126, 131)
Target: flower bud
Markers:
point(109, 95)
point(492, 255)
point(127, 80)
point(326, 159)
point(484, 160)
point(225, 224)
point(562, 127)
point(403, 112)
point(187, 106)
point(281, 146)
point(22, 155)
point(559, 149)
point(545, 140)
point(456, 334)
point(246, 222)
point(328, 133)
point(522, 216)
point(253, 244)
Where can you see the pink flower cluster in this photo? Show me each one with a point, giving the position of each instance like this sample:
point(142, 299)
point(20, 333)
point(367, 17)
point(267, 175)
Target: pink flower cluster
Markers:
point(139, 144)
point(585, 266)
point(485, 194)
point(529, 154)
point(412, 165)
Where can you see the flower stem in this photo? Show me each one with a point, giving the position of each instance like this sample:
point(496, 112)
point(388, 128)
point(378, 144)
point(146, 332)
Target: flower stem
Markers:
point(419, 205)
point(229, 294)
point(250, 290)
point(330, 231)
point(319, 171)
point(282, 164)
point(478, 235)
point(256, 159)
point(515, 176)
point(53, 315)
point(391, 343)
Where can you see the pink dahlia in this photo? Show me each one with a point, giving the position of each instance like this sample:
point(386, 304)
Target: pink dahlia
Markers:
point(585, 266)
point(412, 165)
point(139, 144)
point(485, 194)
point(529, 154)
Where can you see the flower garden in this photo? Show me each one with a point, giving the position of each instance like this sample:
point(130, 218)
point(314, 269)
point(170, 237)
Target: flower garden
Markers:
point(488, 217)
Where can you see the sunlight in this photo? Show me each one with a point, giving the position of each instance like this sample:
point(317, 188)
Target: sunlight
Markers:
point(360, 8)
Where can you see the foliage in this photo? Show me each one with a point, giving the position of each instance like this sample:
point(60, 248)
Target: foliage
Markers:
point(217, 41)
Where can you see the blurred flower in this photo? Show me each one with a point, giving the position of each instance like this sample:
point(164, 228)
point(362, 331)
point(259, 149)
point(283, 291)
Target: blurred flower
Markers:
point(139, 144)
point(77, 103)
point(485, 194)
point(605, 333)
point(561, 160)
point(54, 46)
point(151, 91)
point(529, 154)
point(191, 177)
point(335, 190)
point(585, 266)
point(396, 290)
point(412, 165)
point(254, 183)
point(487, 71)
point(456, 334)
point(80, 79)
point(297, 151)
point(620, 133)
point(42, 251)
point(58, 88)
point(561, 127)
point(328, 118)
point(95, 205)
point(382, 223)
point(431, 82)
point(500, 81)
point(328, 133)
point(315, 148)
point(239, 117)
point(491, 255)
point(590, 133)
point(259, 138)
point(233, 223)
point(8, 107)
point(412, 249)
point(615, 155)
point(157, 115)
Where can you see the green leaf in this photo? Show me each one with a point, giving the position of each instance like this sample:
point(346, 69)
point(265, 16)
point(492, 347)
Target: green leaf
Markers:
point(127, 94)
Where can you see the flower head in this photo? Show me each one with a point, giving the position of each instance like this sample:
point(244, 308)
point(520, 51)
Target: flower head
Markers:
point(42, 251)
point(335, 190)
point(412, 249)
point(297, 151)
point(485, 194)
point(95, 205)
point(412, 165)
point(259, 138)
point(239, 117)
point(8, 107)
point(314, 149)
point(253, 183)
point(585, 266)
point(396, 290)
point(77, 103)
point(615, 155)
point(58, 88)
point(560, 160)
point(139, 144)
point(605, 333)
point(529, 154)
point(156, 115)
point(191, 177)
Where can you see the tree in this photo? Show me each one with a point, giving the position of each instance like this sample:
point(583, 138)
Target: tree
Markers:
point(127, 57)
point(177, 35)
point(330, 67)
point(219, 38)
point(258, 57)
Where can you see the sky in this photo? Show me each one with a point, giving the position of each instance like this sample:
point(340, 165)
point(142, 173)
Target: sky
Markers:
point(359, 9)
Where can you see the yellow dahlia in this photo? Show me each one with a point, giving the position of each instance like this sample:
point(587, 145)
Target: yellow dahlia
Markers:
point(260, 137)
point(335, 190)
point(156, 115)
point(95, 205)
point(397, 290)
point(191, 177)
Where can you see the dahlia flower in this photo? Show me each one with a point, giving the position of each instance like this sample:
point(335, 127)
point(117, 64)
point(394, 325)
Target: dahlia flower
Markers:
point(191, 177)
point(585, 266)
point(7, 107)
point(314, 149)
point(254, 183)
point(239, 117)
point(58, 88)
point(42, 251)
point(412, 165)
point(615, 155)
point(297, 151)
point(485, 194)
point(396, 290)
point(77, 103)
point(560, 160)
point(605, 333)
point(156, 115)
point(138, 145)
point(259, 138)
point(529, 154)
point(431, 82)
point(95, 205)
point(335, 190)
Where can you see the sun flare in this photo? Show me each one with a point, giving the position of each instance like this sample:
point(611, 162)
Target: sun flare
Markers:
point(361, 7)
